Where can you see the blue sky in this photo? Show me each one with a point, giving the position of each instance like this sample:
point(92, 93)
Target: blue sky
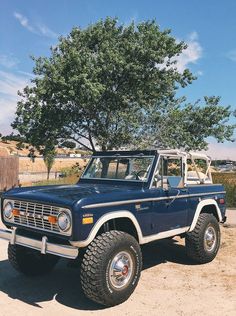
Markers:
point(209, 27)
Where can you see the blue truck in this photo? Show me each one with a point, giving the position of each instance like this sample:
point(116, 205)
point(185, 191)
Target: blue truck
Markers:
point(124, 199)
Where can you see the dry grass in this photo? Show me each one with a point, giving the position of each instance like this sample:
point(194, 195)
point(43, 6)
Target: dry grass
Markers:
point(229, 182)
point(26, 165)
point(72, 179)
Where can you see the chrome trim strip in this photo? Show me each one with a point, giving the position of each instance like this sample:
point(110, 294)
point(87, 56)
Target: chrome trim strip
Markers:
point(41, 245)
point(149, 199)
point(124, 156)
point(120, 180)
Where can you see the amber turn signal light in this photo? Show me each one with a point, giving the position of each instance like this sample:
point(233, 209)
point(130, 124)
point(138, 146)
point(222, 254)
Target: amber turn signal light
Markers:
point(16, 212)
point(87, 220)
point(52, 219)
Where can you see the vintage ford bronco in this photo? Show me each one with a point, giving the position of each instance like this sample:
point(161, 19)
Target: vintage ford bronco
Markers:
point(123, 199)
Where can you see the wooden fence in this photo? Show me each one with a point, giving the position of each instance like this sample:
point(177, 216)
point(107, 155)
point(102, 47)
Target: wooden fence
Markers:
point(9, 171)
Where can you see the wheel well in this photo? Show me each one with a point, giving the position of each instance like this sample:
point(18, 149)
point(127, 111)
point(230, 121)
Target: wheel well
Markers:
point(123, 224)
point(210, 209)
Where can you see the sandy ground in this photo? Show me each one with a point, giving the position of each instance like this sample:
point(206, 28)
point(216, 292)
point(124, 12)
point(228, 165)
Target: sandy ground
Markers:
point(170, 285)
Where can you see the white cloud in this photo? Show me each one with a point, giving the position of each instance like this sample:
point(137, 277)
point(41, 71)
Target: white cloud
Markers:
point(27, 74)
point(222, 151)
point(39, 29)
point(9, 85)
point(199, 73)
point(8, 108)
point(191, 54)
point(24, 21)
point(8, 61)
point(44, 30)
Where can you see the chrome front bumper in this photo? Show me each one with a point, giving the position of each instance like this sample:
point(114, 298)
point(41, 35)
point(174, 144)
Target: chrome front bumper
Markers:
point(41, 245)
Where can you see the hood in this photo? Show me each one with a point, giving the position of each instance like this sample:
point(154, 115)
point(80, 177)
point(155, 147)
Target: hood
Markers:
point(64, 194)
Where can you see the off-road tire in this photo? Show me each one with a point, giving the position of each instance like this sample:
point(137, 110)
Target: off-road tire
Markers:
point(97, 262)
point(29, 261)
point(196, 239)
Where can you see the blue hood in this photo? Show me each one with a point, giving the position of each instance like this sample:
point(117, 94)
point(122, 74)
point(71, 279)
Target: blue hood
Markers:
point(66, 195)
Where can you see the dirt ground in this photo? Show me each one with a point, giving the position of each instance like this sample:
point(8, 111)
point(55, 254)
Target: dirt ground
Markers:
point(170, 285)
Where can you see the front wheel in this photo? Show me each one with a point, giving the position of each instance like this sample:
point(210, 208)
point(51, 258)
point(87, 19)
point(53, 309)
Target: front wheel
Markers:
point(111, 268)
point(204, 241)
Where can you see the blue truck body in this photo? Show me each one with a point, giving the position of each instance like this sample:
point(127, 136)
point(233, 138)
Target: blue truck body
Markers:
point(155, 209)
point(123, 200)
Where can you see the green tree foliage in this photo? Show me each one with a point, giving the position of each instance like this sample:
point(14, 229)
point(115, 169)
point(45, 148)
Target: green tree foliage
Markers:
point(68, 144)
point(13, 137)
point(20, 146)
point(111, 85)
point(49, 154)
point(187, 126)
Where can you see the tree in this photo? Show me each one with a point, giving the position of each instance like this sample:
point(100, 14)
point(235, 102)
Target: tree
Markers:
point(111, 85)
point(20, 146)
point(176, 126)
point(31, 154)
point(68, 144)
point(49, 154)
point(13, 137)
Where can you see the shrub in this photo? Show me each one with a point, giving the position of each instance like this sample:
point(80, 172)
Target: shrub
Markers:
point(229, 182)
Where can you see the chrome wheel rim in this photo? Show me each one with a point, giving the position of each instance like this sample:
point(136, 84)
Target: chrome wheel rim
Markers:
point(210, 239)
point(121, 270)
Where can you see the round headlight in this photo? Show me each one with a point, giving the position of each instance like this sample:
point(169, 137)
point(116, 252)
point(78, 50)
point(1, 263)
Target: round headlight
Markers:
point(7, 211)
point(64, 221)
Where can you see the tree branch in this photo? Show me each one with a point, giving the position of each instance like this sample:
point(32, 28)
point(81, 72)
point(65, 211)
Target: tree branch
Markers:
point(82, 144)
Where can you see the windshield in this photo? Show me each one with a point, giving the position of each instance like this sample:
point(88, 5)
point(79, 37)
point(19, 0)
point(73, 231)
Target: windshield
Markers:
point(122, 168)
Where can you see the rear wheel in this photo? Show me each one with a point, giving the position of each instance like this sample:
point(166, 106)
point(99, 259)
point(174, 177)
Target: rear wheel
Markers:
point(29, 261)
point(204, 241)
point(111, 268)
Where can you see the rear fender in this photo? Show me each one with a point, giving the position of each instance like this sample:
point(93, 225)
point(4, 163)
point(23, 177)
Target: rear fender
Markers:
point(207, 202)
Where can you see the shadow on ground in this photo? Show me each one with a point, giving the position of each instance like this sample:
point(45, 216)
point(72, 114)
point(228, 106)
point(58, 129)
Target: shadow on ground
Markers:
point(63, 283)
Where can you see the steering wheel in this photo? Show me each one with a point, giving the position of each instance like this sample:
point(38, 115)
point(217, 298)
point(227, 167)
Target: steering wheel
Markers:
point(137, 174)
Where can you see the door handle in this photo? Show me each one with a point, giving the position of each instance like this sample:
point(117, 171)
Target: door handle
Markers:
point(169, 203)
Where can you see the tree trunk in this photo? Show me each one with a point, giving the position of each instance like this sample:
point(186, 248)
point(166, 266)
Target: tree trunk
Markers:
point(105, 166)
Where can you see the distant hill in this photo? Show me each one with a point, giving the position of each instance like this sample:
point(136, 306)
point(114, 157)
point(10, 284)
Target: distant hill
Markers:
point(13, 148)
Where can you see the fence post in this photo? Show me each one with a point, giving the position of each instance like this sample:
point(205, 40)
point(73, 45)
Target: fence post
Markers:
point(9, 172)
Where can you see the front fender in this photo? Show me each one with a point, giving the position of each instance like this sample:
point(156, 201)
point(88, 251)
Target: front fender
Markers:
point(104, 219)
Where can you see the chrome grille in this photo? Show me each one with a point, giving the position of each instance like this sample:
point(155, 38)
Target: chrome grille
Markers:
point(35, 215)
